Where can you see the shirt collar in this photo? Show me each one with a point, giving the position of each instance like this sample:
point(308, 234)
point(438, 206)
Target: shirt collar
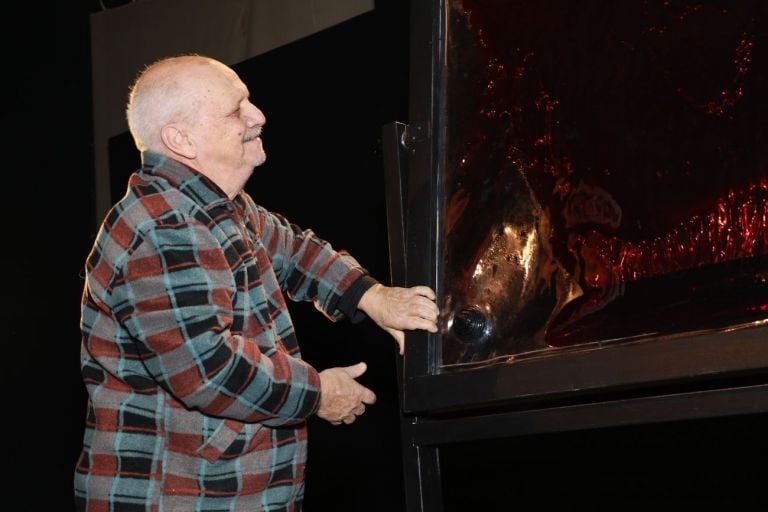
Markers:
point(190, 182)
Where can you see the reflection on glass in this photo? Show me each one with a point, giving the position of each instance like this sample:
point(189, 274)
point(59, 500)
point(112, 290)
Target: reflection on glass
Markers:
point(605, 173)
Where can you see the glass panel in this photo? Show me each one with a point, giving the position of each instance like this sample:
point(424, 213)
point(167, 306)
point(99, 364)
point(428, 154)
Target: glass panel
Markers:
point(604, 172)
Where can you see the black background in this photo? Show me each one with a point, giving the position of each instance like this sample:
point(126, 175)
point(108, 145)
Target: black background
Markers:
point(326, 98)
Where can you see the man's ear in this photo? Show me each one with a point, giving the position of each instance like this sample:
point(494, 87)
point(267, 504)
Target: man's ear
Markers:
point(175, 138)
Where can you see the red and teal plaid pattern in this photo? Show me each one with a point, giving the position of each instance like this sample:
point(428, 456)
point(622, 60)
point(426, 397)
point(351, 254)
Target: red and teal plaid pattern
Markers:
point(197, 392)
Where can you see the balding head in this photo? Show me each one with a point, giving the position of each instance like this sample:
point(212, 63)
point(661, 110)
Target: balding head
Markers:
point(197, 111)
point(167, 91)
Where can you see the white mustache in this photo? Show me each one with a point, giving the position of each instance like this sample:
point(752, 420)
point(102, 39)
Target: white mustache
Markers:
point(250, 136)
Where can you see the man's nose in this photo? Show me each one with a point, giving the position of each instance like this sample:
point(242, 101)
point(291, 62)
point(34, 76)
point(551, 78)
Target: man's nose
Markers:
point(255, 116)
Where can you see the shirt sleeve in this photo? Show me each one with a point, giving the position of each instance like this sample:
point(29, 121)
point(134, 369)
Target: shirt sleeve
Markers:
point(351, 298)
point(175, 299)
point(308, 268)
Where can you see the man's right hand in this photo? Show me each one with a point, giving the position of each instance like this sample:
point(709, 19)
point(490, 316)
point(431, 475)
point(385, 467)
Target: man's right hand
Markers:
point(342, 398)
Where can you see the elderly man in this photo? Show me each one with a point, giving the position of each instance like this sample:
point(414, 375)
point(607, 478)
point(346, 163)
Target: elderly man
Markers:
point(198, 397)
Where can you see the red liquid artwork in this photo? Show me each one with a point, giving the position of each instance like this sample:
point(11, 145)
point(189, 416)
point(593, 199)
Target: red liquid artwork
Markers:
point(606, 172)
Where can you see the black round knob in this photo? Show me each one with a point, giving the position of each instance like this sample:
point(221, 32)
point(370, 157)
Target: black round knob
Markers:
point(471, 325)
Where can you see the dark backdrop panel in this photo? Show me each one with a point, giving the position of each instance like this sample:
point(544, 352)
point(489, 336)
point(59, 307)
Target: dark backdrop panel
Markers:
point(47, 201)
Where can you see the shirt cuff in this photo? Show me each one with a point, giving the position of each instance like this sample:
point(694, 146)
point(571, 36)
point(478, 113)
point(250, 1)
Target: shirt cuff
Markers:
point(351, 298)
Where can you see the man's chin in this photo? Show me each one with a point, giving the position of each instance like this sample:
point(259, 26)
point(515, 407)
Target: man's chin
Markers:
point(255, 158)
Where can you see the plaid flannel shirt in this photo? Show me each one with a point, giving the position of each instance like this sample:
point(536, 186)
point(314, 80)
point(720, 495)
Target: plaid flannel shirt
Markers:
point(197, 392)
